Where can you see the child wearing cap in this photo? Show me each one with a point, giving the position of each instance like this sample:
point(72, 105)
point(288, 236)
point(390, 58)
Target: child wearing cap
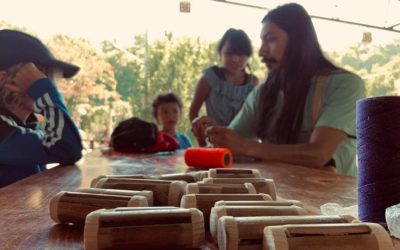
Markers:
point(167, 110)
point(26, 88)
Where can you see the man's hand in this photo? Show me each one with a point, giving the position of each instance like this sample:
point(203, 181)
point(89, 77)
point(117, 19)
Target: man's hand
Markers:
point(223, 137)
point(199, 126)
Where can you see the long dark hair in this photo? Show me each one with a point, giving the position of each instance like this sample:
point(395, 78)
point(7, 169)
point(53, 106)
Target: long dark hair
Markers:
point(239, 42)
point(302, 60)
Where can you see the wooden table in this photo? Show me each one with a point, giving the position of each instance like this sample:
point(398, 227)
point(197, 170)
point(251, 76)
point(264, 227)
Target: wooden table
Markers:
point(25, 222)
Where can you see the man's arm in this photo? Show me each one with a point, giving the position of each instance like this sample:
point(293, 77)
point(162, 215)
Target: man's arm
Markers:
point(315, 153)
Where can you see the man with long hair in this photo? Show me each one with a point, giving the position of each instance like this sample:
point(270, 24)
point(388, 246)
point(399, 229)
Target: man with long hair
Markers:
point(304, 114)
point(27, 71)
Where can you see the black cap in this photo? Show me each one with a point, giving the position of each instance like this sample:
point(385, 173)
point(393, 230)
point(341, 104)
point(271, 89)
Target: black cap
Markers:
point(18, 47)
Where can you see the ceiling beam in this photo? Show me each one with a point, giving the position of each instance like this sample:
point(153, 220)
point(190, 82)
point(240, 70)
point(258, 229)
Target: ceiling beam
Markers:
point(389, 28)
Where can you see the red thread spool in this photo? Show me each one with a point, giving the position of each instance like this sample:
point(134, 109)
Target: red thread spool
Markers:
point(208, 157)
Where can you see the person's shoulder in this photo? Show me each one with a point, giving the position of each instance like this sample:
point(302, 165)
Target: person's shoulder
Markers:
point(343, 74)
point(345, 78)
point(253, 79)
point(214, 71)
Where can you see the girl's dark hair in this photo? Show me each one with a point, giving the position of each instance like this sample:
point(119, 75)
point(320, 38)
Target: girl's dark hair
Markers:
point(302, 60)
point(239, 42)
point(165, 98)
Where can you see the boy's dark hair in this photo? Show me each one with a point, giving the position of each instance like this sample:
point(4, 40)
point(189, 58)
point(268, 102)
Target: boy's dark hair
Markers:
point(165, 98)
point(239, 42)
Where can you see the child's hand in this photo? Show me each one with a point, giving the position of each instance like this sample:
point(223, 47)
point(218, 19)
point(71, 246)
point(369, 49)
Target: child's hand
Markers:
point(199, 126)
point(24, 78)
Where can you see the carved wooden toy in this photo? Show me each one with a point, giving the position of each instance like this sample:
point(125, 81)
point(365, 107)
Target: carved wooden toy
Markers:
point(72, 207)
point(145, 193)
point(164, 192)
point(357, 236)
point(204, 202)
point(136, 176)
point(259, 203)
point(233, 173)
point(243, 211)
point(227, 188)
point(188, 177)
point(239, 233)
point(152, 228)
point(199, 175)
point(266, 186)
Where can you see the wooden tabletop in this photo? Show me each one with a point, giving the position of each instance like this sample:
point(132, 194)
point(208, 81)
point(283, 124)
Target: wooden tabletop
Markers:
point(26, 224)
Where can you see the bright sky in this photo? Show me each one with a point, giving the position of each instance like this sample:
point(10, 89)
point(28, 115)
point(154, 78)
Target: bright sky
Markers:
point(120, 20)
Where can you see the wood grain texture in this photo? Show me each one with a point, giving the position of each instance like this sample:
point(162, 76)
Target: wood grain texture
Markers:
point(24, 205)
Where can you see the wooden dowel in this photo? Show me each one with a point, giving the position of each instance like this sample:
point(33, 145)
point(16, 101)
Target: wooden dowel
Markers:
point(164, 192)
point(225, 188)
point(72, 207)
point(243, 211)
point(204, 202)
point(266, 186)
point(145, 193)
point(235, 233)
point(356, 236)
point(144, 229)
point(233, 173)
point(259, 203)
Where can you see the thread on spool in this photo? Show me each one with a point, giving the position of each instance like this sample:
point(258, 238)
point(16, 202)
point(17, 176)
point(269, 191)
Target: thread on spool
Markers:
point(378, 146)
point(208, 157)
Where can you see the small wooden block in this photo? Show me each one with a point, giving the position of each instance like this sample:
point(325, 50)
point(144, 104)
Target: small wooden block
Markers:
point(243, 211)
point(145, 193)
point(174, 228)
point(204, 202)
point(72, 207)
point(233, 173)
point(164, 192)
point(259, 203)
point(266, 186)
point(136, 176)
point(189, 178)
point(355, 236)
point(247, 232)
point(225, 188)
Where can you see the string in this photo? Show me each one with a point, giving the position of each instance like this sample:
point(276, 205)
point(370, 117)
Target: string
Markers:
point(208, 157)
point(378, 146)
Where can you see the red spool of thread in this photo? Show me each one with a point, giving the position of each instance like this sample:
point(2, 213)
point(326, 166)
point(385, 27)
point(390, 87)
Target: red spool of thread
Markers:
point(208, 157)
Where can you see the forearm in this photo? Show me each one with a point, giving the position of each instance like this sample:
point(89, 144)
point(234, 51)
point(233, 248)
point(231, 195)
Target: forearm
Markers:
point(61, 138)
point(193, 113)
point(306, 154)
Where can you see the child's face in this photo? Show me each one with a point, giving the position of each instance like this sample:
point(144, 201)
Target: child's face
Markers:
point(233, 63)
point(168, 115)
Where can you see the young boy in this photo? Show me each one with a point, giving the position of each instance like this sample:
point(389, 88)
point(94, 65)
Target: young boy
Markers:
point(26, 71)
point(167, 110)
